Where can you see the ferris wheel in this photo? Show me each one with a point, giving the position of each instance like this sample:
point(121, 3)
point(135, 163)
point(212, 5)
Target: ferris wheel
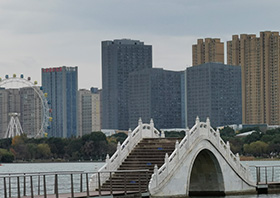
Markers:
point(21, 82)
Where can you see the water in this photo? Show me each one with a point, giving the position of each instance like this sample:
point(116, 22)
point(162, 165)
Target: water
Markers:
point(50, 167)
point(64, 181)
point(94, 166)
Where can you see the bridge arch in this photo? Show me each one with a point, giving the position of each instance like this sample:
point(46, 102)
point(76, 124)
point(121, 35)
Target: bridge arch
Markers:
point(206, 177)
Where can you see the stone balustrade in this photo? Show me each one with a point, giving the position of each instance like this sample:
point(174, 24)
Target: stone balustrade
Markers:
point(123, 150)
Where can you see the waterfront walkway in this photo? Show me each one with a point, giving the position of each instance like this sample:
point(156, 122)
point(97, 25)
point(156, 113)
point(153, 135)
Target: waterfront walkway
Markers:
point(91, 194)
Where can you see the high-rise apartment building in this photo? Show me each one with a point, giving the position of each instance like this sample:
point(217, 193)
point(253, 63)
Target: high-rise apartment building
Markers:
point(96, 109)
point(27, 104)
point(209, 50)
point(61, 85)
point(31, 111)
point(119, 58)
point(9, 103)
point(155, 93)
point(89, 111)
point(259, 58)
point(214, 90)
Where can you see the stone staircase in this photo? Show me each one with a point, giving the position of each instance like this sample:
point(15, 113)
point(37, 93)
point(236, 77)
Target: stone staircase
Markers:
point(147, 153)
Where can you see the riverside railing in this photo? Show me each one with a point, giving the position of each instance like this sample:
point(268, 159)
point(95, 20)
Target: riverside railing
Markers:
point(267, 174)
point(73, 183)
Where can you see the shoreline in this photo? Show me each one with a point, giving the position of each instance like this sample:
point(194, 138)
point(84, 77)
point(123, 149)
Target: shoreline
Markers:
point(251, 158)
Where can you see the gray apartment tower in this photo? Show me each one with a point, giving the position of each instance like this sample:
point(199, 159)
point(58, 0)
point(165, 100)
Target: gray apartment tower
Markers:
point(119, 58)
point(155, 93)
point(214, 91)
point(61, 85)
point(24, 101)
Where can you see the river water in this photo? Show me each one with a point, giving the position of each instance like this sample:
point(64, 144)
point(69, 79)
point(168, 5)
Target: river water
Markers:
point(94, 166)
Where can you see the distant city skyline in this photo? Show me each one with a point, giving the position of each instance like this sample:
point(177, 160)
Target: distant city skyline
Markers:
point(41, 34)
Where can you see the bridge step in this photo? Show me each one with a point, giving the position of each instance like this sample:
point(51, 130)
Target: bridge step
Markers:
point(148, 153)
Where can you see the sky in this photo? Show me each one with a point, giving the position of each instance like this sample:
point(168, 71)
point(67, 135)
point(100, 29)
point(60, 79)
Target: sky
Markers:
point(51, 33)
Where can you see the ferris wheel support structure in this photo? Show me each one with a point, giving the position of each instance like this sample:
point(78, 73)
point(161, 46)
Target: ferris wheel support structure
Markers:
point(14, 127)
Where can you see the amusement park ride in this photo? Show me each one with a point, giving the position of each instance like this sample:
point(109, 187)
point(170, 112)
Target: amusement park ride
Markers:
point(14, 127)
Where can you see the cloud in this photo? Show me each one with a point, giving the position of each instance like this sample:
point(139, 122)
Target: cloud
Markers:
point(36, 34)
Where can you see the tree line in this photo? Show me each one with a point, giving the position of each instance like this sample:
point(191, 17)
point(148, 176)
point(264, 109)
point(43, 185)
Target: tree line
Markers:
point(95, 146)
point(90, 147)
point(258, 144)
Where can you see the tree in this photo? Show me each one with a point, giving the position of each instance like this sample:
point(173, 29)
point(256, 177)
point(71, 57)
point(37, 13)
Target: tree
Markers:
point(256, 149)
point(227, 133)
point(175, 134)
point(43, 151)
point(256, 136)
point(19, 147)
point(6, 156)
point(32, 150)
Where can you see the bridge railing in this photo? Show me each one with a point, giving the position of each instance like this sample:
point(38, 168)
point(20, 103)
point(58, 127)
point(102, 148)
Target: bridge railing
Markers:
point(201, 130)
point(134, 137)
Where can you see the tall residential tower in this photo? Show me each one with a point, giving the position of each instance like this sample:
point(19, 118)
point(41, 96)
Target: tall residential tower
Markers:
point(61, 85)
point(119, 58)
point(259, 58)
point(210, 50)
point(156, 93)
point(214, 90)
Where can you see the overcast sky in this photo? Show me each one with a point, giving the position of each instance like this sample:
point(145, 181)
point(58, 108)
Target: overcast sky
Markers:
point(37, 34)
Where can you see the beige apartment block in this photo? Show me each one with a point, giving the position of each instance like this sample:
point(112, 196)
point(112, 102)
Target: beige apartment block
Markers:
point(259, 59)
point(89, 111)
point(210, 50)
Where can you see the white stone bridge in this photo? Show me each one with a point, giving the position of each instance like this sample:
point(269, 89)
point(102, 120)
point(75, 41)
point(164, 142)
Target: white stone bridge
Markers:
point(201, 164)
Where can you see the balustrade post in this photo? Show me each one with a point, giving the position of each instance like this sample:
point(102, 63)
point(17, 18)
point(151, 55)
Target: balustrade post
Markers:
point(87, 184)
point(188, 138)
point(218, 137)
point(99, 185)
point(56, 185)
point(5, 190)
point(31, 187)
point(272, 174)
point(156, 174)
point(238, 162)
point(119, 154)
point(162, 134)
point(152, 127)
point(18, 187)
point(10, 186)
point(108, 162)
point(45, 186)
point(38, 184)
point(166, 161)
point(258, 174)
point(81, 182)
point(197, 121)
point(265, 175)
point(228, 149)
point(177, 150)
point(72, 186)
point(140, 124)
point(24, 185)
point(208, 127)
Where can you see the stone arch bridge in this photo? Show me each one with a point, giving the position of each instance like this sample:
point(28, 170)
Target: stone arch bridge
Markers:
point(201, 164)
